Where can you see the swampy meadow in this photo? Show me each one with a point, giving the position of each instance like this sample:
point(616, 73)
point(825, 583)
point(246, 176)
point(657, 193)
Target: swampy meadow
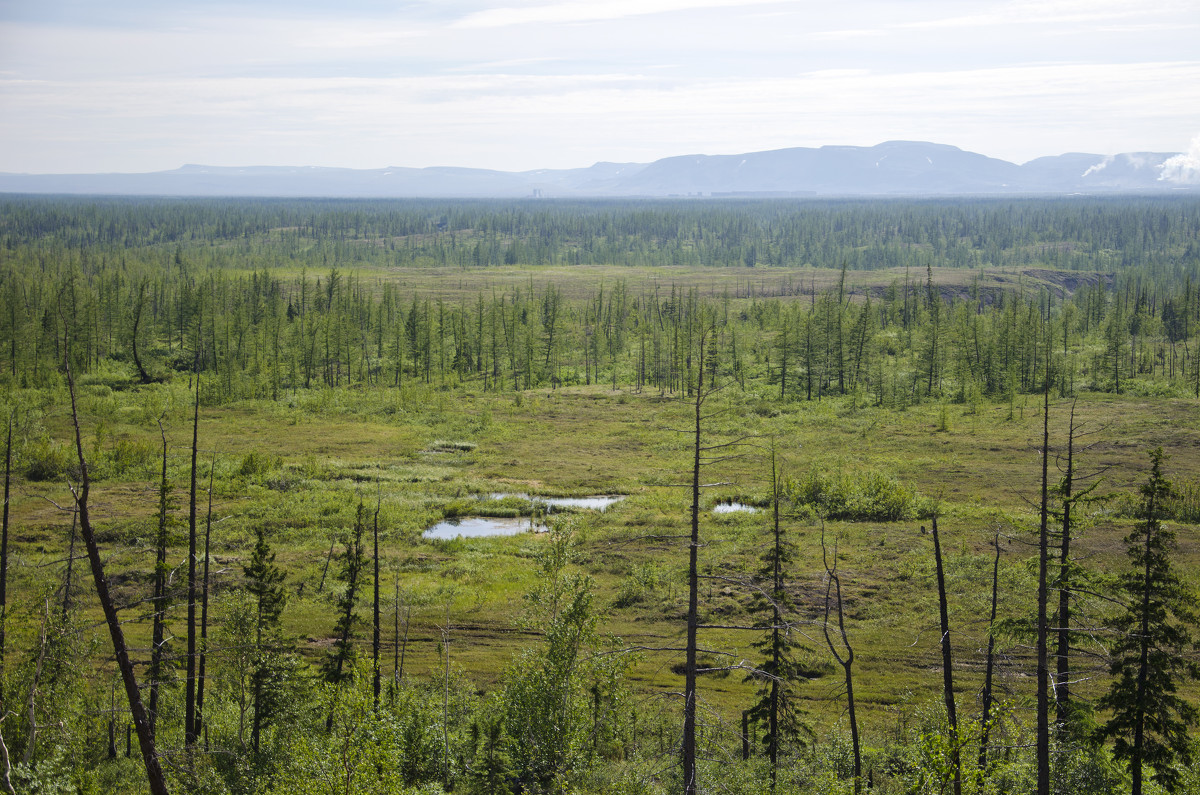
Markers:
point(889, 495)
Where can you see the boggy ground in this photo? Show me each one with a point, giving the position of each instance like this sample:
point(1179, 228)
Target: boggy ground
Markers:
point(298, 466)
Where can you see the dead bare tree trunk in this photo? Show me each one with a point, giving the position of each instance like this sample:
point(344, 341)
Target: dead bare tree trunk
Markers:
point(141, 722)
point(31, 704)
point(112, 722)
point(159, 602)
point(947, 663)
point(985, 722)
point(328, 557)
point(66, 604)
point(201, 729)
point(693, 614)
point(833, 587)
point(5, 767)
point(375, 636)
point(4, 562)
point(1043, 662)
point(138, 306)
point(398, 672)
point(189, 717)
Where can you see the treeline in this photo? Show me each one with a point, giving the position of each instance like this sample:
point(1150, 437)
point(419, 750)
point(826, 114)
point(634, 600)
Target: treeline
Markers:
point(262, 333)
point(1093, 234)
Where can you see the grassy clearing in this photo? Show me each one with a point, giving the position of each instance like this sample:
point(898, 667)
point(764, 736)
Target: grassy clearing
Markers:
point(299, 465)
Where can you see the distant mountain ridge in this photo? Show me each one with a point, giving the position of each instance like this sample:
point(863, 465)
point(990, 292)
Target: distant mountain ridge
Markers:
point(893, 168)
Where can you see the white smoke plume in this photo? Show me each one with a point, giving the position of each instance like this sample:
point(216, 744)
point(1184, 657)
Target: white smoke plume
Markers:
point(1184, 168)
point(1098, 167)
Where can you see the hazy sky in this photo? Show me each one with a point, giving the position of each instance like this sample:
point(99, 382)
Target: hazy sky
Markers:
point(135, 85)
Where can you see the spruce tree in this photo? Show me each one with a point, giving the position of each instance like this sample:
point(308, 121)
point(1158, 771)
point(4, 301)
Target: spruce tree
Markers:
point(779, 670)
point(343, 652)
point(1149, 722)
point(264, 581)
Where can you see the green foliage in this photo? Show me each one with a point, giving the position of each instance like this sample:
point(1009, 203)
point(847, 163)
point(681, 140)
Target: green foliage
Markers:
point(48, 460)
point(324, 340)
point(641, 584)
point(256, 465)
point(1149, 722)
point(492, 771)
point(342, 655)
point(1181, 503)
point(562, 703)
point(359, 753)
point(857, 495)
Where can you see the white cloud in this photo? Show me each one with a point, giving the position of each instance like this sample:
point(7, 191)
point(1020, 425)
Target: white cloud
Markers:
point(515, 122)
point(851, 33)
point(1050, 12)
point(590, 11)
point(418, 84)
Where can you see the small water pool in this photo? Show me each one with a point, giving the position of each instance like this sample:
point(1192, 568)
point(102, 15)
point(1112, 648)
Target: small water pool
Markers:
point(734, 507)
point(479, 526)
point(599, 502)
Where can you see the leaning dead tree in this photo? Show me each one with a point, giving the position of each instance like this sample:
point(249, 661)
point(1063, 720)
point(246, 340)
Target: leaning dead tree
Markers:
point(841, 650)
point(141, 721)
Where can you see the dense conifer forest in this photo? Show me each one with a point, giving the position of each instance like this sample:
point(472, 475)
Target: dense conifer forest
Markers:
point(899, 495)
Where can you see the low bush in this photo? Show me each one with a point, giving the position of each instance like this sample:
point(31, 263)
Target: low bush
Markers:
point(859, 496)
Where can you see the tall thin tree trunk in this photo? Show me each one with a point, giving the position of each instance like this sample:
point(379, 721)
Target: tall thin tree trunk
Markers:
point(31, 703)
point(395, 642)
point(947, 663)
point(157, 631)
point(1043, 664)
point(141, 722)
point(328, 557)
point(833, 586)
point(375, 635)
point(189, 721)
point(4, 560)
point(404, 643)
point(1139, 720)
point(693, 614)
point(985, 721)
point(200, 725)
point(67, 583)
point(1062, 689)
point(776, 623)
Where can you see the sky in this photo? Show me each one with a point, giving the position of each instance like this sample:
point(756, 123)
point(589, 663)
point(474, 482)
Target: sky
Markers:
point(141, 85)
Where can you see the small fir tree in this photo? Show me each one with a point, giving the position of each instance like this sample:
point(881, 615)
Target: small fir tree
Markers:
point(264, 581)
point(1149, 723)
point(342, 653)
point(779, 670)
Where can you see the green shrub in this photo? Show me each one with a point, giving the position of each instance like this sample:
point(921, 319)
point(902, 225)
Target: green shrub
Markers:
point(46, 459)
point(860, 496)
point(256, 465)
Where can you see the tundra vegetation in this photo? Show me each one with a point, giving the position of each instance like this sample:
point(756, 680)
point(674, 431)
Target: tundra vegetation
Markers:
point(960, 438)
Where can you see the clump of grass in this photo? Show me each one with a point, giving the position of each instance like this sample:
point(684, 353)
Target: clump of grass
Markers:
point(446, 446)
point(257, 465)
point(639, 586)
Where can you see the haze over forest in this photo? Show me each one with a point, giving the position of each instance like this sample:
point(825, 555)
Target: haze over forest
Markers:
point(893, 168)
